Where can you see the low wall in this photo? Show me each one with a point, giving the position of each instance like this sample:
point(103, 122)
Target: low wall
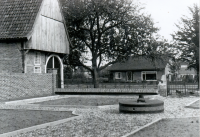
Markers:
point(107, 91)
point(162, 89)
point(20, 85)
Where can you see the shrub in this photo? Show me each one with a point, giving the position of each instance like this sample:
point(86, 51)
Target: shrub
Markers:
point(103, 80)
point(78, 76)
point(195, 78)
point(68, 73)
point(188, 78)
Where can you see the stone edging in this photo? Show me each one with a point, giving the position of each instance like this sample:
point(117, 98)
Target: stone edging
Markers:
point(191, 103)
point(45, 125)
point(34, 100)
point(127, 135)
point(104, 90)
point(147, 125)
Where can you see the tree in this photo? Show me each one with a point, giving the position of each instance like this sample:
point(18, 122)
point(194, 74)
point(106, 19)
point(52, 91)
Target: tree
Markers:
point(187, 39)
point(174, 67)
point(108, 30)
point(68, 72)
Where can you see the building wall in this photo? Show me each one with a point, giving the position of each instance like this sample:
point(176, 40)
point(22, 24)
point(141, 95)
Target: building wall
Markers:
point(10, 58)
point(20, 85)
point(136, 76)
point(49, 33)
point(29, 59)
point(160, 74)
point(122, 79)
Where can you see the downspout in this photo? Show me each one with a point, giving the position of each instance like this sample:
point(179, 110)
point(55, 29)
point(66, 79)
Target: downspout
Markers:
point(23, 52)
point(23, 57)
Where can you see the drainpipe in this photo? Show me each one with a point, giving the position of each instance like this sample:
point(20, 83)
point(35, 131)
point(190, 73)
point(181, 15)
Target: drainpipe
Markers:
point(23, 52)
point(23, 57)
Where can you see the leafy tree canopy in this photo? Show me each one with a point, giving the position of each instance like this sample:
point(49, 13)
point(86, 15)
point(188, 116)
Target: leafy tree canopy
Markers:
point(108, 31)
point(186, 39)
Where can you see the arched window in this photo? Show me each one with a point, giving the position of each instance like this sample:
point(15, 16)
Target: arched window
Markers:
point(54, 62)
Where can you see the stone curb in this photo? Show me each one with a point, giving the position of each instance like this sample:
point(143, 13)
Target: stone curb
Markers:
point(35, 107)
point(50, 124)
point(127, 135)
point(147, 125)
point(59, 106)
point(188, 105)
point(34, 100)
point(107, 106)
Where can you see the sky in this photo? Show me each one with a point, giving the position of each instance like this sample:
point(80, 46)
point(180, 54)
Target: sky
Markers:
point(166, 13)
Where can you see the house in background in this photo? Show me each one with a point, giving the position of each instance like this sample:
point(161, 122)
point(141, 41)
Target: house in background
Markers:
point(139, 69)
point(183, 72)
point(33, 37)
point(82, 72)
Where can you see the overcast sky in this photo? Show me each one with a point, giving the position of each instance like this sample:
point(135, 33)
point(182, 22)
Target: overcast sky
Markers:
point(166, 13)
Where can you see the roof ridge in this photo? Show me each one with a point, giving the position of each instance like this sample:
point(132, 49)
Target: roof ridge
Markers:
point(138, 64)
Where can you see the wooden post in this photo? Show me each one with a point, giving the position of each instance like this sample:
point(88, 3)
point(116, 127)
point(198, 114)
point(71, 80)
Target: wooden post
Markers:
point(141, 98)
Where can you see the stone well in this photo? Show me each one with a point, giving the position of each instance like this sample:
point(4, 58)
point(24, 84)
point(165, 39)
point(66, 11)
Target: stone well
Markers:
point(141, 105)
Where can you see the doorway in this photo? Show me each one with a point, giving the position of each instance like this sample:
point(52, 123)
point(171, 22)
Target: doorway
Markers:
point(54, 62)
point(129, 76)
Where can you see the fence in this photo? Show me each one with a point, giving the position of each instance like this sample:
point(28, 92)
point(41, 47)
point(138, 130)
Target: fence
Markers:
point(104, 83)
point(184, 88)
point(105, 91)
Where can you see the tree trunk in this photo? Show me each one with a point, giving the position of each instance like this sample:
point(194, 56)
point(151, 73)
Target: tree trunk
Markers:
point(197, 70)
point(198, 78)
point(95, 78)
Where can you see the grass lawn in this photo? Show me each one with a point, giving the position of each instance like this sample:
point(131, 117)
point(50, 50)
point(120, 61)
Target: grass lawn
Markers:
point(176, 127)
point(12, 120)
point(97, 101)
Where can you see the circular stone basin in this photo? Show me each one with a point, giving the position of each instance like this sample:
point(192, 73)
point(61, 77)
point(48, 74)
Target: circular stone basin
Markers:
point(149, 106)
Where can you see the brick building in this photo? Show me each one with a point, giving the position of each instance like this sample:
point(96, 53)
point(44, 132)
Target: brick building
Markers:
point(33, 37)
point(139, 69)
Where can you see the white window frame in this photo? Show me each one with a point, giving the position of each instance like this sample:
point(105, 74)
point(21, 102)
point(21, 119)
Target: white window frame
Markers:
point(35, 69)
point(184, 66)
point(148, 72)
point(117, 74)
point(37, 54)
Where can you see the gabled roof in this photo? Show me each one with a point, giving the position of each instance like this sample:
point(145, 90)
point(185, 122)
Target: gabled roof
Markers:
point(17, 18)
point(139, 63)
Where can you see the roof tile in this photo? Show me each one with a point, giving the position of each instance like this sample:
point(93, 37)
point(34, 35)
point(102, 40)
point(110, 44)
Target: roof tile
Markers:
point(139, 63)
point(17, 17)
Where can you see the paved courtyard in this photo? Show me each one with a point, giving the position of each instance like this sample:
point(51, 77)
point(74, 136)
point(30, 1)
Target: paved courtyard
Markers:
point(98, 121)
